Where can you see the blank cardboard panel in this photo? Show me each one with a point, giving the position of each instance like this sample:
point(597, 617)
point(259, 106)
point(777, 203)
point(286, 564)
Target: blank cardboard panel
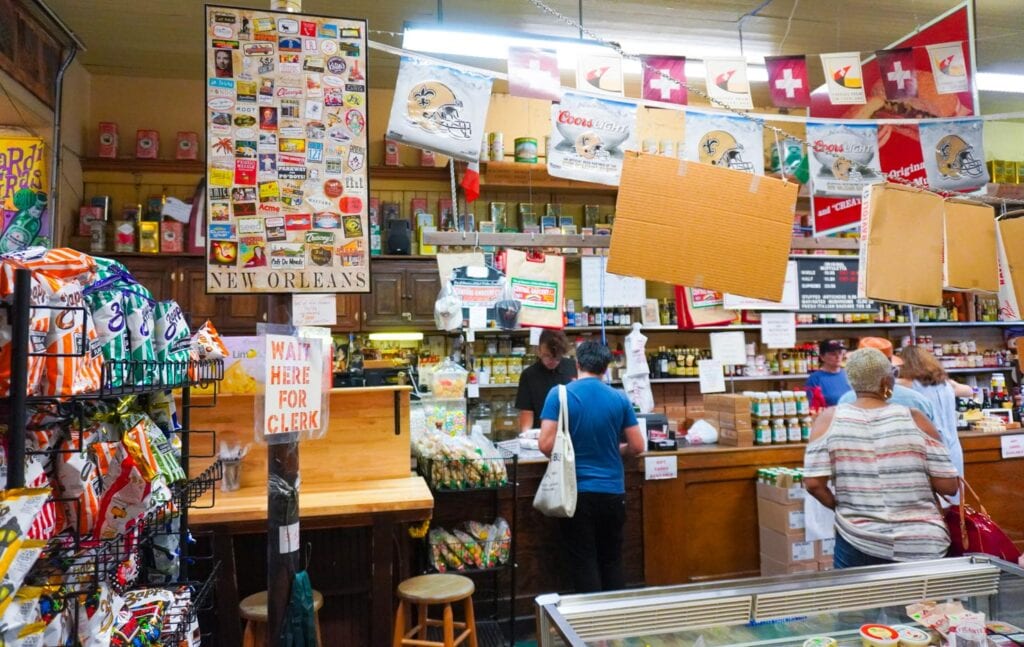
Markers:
point(702, 226)
point(901, 245)
point(970, 258)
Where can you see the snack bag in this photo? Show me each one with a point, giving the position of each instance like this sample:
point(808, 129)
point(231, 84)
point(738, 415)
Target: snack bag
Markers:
point(96, 617)
point(106, 304)
point(164, 412)
point(138, 306)
point(107, 268)
point(62, 263)
point(502, 537)
point(123, 501)
point(207, 344)
point(79, 481)
point(172, 342)
point(25, 636)
point(148, 607)
point(146, 442)
point(25, 556)
point(24, 609)
point(73, 364)
point(50, 519)
point(18, 509)
point(473, 550)
point(39, 326)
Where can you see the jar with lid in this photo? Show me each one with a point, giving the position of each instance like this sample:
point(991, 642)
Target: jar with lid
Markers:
point(805, 428)
point(803, 405)
point(480, 416)
point(763, 432)
point(793, 430)
point(779, 432)
point(789, 403)
point(764, 405)
point(778, 408)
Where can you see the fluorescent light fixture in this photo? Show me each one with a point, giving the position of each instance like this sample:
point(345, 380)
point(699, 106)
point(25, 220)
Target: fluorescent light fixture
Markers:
point(494, 45)
point(998, 82)
point(396, 336)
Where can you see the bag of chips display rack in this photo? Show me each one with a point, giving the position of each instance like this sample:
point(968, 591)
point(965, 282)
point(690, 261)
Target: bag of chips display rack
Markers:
point(105, 302)
point(171, 342)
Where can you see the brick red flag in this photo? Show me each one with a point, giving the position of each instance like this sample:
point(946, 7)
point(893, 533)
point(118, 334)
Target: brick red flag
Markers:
point(899, 76)
point(787, 81)
point(658, 88)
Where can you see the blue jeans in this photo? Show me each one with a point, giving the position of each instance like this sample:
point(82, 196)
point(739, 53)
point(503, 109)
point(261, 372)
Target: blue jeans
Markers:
point(847, 556)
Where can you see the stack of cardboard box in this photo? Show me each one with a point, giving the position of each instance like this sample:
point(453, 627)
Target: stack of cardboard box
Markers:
point(784, 546)
point(730, 414)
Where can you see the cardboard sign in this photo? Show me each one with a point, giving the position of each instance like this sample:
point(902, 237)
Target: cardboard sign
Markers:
point(739, 244)
point(970, 261)
point(891, 269)
point(292, 378)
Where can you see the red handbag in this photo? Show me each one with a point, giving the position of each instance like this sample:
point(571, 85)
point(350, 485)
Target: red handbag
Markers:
point(974, 531)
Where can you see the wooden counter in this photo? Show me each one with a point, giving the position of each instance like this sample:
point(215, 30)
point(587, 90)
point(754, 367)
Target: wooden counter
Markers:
point(703, 524)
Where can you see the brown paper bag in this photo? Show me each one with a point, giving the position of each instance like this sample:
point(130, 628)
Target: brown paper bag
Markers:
point(538, 282)
point(970, 258)
point(901, 245)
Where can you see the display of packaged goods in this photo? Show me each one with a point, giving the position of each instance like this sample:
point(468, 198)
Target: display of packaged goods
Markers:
point(473, 546)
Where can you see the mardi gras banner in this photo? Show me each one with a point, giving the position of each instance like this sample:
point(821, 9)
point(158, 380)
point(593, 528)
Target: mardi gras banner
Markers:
point(23, 198)
point(954, 159)
point(286, 160)
point(724, 140)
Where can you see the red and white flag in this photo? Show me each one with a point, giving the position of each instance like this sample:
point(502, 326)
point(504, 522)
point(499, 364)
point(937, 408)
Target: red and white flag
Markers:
point(533, 73)
point(949, 67)
point(470, 182)
point(787, 81)
point(727, 82)
point(664, 79)
point(899, 77)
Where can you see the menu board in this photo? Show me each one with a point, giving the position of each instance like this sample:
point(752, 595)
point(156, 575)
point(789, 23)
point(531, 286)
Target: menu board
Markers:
point(829, 284)
point(286, 155)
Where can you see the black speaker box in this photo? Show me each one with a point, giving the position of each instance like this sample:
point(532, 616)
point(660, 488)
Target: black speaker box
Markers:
point(398, 240)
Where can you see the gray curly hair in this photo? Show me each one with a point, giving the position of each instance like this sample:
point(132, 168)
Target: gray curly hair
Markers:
point(866, 368)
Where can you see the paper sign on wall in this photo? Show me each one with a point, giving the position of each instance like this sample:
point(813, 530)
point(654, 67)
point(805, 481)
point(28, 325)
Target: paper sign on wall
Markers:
point(292, 381)
point(778, 329)
point(712, 378)
point(314, 309)
point(660, 467)
point(729, 347)
point(619, 291)
point(1012, 446)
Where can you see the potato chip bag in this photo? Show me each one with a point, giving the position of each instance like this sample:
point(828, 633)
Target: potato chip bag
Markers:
point(27, 552)
point(73, 364)
point(39, 325)
point(164, 412)
point(18, 509)
point(138, 306)
point(61, 263)
point(123, 500)
point(79, 481)
point(171, 342)
point(148, 445)
point(207, 344)
point(106, 304)
point(96, 617)
point(24, 636)
point(24, 609)
point(107, 268)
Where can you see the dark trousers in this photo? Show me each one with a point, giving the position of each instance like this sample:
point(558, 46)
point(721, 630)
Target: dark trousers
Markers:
point(847, 556)
point(593, 542)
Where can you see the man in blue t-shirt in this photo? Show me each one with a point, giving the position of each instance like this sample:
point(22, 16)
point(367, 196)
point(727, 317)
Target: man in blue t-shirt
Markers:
point(830, 378)
point(603, 429)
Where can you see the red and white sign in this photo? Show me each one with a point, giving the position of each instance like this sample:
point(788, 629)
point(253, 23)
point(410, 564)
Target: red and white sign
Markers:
point(660, 467)
point(292, 380)
point(664, 79)
point(787, 81)
point(533, 73)
point(1012, 446)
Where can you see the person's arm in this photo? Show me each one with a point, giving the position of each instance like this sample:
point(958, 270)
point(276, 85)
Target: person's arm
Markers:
point(525, 420)
point(818, 488)
point(961, 390)
point(548, 430)
point(945, 482)
point(634, 441)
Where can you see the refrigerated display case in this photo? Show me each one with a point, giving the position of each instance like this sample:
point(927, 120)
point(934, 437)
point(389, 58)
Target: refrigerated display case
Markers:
point(782, 610)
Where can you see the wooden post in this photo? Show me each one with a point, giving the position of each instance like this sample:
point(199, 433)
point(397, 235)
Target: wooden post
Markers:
point(282, 509)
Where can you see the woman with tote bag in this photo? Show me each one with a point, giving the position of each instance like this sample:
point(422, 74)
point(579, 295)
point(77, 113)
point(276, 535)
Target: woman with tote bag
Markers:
point(598, 429)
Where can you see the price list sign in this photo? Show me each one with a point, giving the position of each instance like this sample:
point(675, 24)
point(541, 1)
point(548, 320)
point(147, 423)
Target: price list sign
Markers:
point(829, 284)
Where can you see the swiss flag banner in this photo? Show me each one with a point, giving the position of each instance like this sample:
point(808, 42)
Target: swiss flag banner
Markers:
point(533, 73)
point(656, 87)
point(787, 81)
point(897, 71)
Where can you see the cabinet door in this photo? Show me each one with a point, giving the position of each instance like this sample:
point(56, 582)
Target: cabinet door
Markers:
point(422, 284)
point(241, 312)
point(157, 274)
point(194, 300)
point(384, 304)
point(349, 308)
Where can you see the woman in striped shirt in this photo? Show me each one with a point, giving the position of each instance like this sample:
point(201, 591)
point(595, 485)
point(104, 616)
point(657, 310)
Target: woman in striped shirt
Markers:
point(886, 462)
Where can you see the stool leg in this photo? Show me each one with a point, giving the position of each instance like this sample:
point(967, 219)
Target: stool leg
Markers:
point(316, 621)
point(249, 637)
point(422, 635)
point(399, 624)
point(470, 621)
point(449, 626)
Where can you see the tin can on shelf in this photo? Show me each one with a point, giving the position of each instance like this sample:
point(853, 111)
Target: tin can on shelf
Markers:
point(526, 150)
point(485, 148)
point(98, 236)
point(497, 142)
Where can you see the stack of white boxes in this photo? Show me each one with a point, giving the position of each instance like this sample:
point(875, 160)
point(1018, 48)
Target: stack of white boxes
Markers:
point(780, 513)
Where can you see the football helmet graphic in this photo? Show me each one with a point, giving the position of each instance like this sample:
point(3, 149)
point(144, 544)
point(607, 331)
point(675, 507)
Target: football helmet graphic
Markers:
point(841, 168)
point(434, 107)
point(955, 158)
point(719, 148)
point(588, 145)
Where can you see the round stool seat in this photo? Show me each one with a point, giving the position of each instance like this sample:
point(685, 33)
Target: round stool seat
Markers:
point(440, 588)
point(254, 607)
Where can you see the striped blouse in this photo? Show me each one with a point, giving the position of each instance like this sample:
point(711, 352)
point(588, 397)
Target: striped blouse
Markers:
point(880, 463)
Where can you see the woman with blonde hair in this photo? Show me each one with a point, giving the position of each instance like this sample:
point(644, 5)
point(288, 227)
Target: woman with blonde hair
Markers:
point(886, 462)
point(923, 373)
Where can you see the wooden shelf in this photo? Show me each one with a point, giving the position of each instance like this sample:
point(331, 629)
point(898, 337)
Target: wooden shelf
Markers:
point(516, 176)
point(516, 239)
point(1011, 192)
point(437, 174)
point(116, 255)
point(128, 165)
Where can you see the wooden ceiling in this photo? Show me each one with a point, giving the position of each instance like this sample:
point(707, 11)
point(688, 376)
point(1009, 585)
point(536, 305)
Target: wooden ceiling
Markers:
point(164, 38)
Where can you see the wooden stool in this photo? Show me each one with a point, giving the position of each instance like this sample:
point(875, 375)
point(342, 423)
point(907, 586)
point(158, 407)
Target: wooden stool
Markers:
point(425, 590)
point(254, 610)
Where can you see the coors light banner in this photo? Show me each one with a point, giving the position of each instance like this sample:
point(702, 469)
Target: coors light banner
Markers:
point(843, 158)
point(588, 137)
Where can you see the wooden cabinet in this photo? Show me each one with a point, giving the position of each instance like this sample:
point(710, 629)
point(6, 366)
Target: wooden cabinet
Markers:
point(183, 278)
point(349, 311)
point(402, 295)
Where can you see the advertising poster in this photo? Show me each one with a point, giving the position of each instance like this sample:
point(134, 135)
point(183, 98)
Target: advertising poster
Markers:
point(588, 137)
point(287, 186)
point(954, 159)
point(899, 145)
point(600, 73)
point(663, 78)
point(23, 193)
point(727, 82)
point(844, 77)
point(440, 108)
point(724, 140)
point(843, 158)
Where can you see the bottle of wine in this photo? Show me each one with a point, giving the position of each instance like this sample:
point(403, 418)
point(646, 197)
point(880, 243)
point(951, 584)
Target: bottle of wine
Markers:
point(986, 402)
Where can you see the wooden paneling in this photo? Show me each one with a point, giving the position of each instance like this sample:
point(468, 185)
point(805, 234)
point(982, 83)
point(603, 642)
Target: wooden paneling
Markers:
point(349, 309)
point(195, 301)
point(383, 305)
point(422, 286)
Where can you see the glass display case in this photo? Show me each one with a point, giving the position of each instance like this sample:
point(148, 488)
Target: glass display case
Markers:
point(783, 610)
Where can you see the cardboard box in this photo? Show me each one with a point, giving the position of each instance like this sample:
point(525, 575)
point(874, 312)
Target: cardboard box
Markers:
point(787, 549)
point(771, 566)
point(890, 269)
point(733, 438)
point(826, 548)
point(826, 564)
point(970, 247)
point(1011, 258)
point(784, 495)
point(727, 402)
point(786, 518)
point(728, 230)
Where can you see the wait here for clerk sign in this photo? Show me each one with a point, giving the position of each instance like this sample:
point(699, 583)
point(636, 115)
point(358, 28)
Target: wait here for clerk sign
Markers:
point(292, 385)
